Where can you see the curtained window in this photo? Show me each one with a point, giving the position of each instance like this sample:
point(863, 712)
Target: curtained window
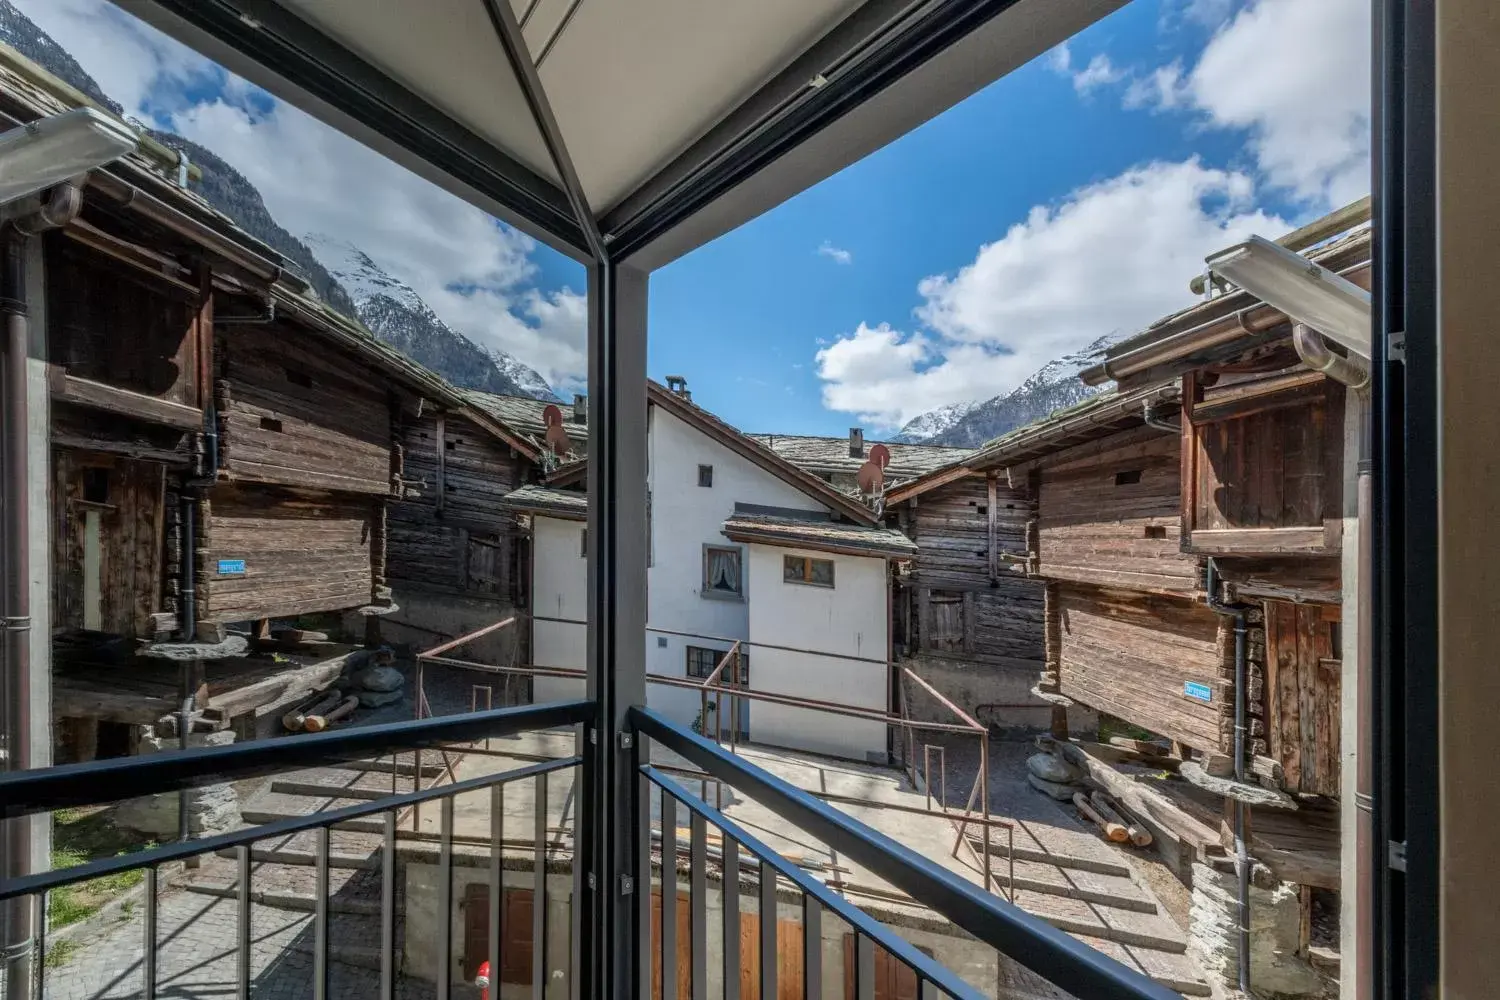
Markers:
point(722, 577)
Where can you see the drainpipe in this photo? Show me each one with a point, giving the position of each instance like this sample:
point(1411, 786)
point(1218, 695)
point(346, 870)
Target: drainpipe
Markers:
point(1312, 348)
point(1364, 788)
point(60, 205)
point(1241, 853)
point(1155, 422)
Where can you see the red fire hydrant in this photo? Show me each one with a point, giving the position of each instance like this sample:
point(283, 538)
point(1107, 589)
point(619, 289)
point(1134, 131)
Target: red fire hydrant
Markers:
point(482, 980)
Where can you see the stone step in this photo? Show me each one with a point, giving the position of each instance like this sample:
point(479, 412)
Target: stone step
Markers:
point(1173, 970)
point(286, 900)
point(1128, 927)
point(1076, 862)
point(306, 858)
point(346, 886)
point(318, 789)
point(1111, 890)
point(405, 766)
point(370, 824)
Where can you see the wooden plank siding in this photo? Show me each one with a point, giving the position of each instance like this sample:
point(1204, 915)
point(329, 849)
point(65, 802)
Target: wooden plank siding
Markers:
point(449, 534)
point(298, 414)
point(303, 552)
point(969, 601)
point(1303, 682)
point(117, 587)
point(1130, 653)
point(117, 325)
point(1112, 516)
point(1267, 473)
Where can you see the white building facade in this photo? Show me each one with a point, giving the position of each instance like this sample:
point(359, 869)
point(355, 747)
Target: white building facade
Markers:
point(728, 520)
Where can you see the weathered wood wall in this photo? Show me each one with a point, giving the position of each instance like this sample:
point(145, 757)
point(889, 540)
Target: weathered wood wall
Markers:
point(295, 412)
point(126, 500)
point(965, 599)
point(303, 552)
point(451, 536)
point(1110, 514)
point(1261, 461)
point(1130, 654)
point(115, 324)
point(1303, 683)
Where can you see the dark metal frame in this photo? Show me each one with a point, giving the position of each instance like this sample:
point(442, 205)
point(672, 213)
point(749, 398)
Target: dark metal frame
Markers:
point(1405, 515)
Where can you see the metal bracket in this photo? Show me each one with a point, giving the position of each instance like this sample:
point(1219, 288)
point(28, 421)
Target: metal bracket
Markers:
point(627, 741)
point(594, 737)
point(627, 885)
point(1397, 855)
point(593, 881)
point(1395, 346)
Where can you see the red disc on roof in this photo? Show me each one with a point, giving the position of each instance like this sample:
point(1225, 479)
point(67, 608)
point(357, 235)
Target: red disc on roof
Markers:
point(551, 416)
point(880, 455)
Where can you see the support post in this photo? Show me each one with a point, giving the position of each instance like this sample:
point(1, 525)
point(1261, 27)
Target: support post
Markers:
point(616, 627)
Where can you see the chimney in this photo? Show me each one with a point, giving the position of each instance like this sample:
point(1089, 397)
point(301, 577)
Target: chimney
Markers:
point(856, 442)
point(580, 408)
point(677, 386)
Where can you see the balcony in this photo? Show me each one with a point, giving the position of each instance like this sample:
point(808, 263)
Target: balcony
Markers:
point(482, 869)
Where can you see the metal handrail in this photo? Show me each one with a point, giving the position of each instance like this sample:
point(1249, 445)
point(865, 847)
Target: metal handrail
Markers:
point(23, 793)
point(26, 885)
point(1056, 956)
point(858, 920)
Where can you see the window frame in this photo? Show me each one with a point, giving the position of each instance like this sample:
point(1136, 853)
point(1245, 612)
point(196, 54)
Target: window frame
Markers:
point(715, 656)
point(807, 580)
point(705, 476)
point(707, 592)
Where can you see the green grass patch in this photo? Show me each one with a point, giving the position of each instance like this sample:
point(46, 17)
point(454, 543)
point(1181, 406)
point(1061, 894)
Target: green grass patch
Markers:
point(59, 954)
point(80, 836)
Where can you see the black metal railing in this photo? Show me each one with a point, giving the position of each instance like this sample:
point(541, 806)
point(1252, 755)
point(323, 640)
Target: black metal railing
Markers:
point(1052, 954)
point(745, 862)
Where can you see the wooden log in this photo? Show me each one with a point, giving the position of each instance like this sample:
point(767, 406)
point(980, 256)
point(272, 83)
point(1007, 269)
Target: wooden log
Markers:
point(1114, 831)
point(1115, 828)
point(316, 723)
point(1140, 835)
point(322, 705)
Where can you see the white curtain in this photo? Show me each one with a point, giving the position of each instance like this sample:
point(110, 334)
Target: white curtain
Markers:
point(724, 570)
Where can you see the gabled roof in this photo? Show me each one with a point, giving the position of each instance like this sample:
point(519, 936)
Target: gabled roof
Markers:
point(822, 535)
point(828, 455)
point(749, 448)
point(569, 505)
point(524, 415)
point(1097, 417)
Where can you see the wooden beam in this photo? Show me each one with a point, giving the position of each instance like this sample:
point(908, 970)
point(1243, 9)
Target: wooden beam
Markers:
point(67, 388)
point(441, 460)
point(993, 491)
point(134, 707)
point(1319, 540)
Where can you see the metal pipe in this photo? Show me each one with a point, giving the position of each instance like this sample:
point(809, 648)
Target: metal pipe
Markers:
point(1154, 423)
point(1312, 348)
point(1364, 789)
point(17, 915)
point(1242, 857)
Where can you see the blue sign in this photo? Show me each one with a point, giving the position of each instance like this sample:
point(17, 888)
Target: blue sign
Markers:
point(231, 567)
point(1200, 692)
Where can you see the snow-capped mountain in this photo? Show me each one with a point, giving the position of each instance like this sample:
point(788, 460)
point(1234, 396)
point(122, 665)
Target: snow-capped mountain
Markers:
point(934, 422)
point(1053, 386)
point(396, 314)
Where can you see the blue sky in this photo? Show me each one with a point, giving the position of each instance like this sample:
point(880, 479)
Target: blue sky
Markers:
point(1070, 200)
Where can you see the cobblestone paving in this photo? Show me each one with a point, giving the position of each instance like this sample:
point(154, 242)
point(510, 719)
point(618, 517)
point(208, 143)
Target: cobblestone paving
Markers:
point(197, 957)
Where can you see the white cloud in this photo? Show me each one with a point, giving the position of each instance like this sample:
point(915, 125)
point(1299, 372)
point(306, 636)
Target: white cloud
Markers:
point(476, 274)
point(837, 254)
point(1099, 72)
point(1296, 75)
point(1112, 256)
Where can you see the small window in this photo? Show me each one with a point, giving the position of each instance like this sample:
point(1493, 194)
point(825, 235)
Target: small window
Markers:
point(96, 485)
point(723, 577)
point(1128, 478)
point(706, 475)
point(807, 570)
point(270, 424)
point(299, 378)
point(702, 662)
point(1155, 531)
point(450, 445)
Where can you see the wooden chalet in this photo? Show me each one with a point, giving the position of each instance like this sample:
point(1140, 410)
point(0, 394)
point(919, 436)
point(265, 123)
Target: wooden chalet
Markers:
point(225, 448)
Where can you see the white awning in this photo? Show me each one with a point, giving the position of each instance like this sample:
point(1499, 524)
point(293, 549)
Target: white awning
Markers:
point(679, 119)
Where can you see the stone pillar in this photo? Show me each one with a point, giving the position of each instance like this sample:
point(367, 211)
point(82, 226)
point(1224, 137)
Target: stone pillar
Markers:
point(211, 809)
point(1275, 932)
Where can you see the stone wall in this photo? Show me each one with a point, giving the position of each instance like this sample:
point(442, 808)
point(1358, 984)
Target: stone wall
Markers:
point(211, 809)
point(1213, 921)
point(990, 692)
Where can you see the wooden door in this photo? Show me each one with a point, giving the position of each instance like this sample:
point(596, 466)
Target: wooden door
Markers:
point(515, 940)
point(1303, 682)
point(789, 958)
point(947, 616)
point(894, 979)
point(486, 563)
point(684, 947)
